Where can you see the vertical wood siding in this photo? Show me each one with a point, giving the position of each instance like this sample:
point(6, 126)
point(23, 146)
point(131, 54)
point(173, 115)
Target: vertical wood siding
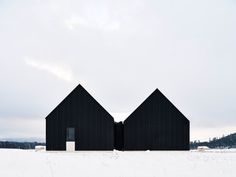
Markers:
point(94, 126)
point(156, 125)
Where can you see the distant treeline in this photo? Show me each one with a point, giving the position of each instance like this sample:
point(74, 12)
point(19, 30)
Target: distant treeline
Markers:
point(19, 145)
point(223, 142)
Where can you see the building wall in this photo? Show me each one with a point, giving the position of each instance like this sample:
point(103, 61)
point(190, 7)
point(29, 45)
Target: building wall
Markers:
point(119, 136)
point(94, 126)
point(156, 125)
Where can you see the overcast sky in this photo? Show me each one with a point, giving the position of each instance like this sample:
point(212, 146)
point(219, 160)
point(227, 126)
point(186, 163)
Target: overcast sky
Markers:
point(120, 51)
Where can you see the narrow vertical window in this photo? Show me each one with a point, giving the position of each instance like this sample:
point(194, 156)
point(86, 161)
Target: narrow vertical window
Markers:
point(70, 134)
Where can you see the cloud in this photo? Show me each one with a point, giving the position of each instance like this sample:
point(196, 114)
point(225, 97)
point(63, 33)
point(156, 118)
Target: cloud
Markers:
point(21, 127)
point(122, 51)
point(76, 21)
point(59, 71)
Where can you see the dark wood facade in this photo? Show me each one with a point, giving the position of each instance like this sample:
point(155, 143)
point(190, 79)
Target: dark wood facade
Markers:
point(93, 125)
point(119, 136)
point(156, 125)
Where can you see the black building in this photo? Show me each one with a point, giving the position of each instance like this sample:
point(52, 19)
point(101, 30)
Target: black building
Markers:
point(81, 119)
point(156, 125)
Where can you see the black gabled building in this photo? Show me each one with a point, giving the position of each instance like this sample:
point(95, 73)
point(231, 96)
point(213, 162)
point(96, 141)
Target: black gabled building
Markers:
point(155, 125)
point(81, 119)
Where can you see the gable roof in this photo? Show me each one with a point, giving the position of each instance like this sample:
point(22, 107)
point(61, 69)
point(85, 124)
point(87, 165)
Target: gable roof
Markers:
point(155, 93)
point(80, 90)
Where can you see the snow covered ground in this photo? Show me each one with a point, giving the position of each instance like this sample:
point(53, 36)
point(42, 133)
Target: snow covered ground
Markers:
point(28, 163)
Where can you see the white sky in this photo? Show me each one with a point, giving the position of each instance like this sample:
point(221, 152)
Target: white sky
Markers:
point(120, 51)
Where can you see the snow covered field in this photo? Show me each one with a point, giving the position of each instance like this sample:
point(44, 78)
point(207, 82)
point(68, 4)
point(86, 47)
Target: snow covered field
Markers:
point(28, 163)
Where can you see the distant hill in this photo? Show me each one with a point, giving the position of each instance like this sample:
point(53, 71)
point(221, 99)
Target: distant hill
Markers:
point(19, 145)
point(224, 142)
point(28, 139)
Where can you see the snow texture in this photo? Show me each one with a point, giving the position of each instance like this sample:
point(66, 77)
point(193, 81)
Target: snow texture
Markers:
point(29, 163)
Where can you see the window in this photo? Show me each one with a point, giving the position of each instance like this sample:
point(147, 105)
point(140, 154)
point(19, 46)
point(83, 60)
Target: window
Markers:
point(70, 134)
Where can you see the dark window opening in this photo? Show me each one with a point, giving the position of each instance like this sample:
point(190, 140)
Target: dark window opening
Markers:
point(70, 134)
